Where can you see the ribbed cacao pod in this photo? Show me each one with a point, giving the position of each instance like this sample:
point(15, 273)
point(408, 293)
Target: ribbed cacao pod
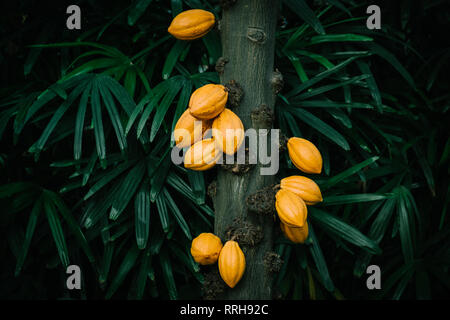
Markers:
point(202, 155)
point(304, 187)
point(291, 208)
point(189, 130)
point(228, 131)
point(191, 24)
point(205, 249)
point(296, 235)
point(304, 155)
point(208, 102)
point(231, 263)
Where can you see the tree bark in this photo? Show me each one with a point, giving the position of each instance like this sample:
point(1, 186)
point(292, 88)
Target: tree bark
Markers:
point(248, 40)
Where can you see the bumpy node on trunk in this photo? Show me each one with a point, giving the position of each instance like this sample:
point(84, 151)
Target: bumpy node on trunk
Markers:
point(263, 201)
point(262, 116)
point(277, 81)
point(282, 144)
point(213, 284)
point(212, 189)
point(244, 232)
point(238, 169)
point(273, 262)
point(256, 35)
point(235, 93)
point(220, 65)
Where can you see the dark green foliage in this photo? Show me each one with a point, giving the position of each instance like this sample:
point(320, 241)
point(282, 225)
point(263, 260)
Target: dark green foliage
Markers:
point(85, 170)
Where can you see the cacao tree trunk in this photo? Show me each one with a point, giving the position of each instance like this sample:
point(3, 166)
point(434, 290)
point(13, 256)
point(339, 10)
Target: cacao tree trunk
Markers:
point(248, 38)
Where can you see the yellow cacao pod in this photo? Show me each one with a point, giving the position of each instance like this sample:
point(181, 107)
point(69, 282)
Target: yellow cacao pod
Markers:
point(304, 187)
point(202, 155)
point(191, 24)
point(205, 249)
point(208, 102)
point(189, 130)
point(296, 235)
point(228, 131)
point(231, 263)
point(304, 155)
point(291, 208)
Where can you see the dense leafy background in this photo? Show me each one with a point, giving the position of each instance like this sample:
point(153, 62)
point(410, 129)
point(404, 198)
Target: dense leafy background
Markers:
point(85, 122)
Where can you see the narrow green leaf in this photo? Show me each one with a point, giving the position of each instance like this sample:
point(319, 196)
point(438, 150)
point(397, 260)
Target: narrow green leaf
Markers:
point(99, 63)
point(177, 213)
point(42, 100)
point(97, 208)
point(186, 257)
point(371, 83)
point(72, 224)
point(178, 184)
point(354, 198)
point(31, 226)
point(340, 5)
point(9, 189)
point(56, 230)
point(142, 274)
point(343, 230)
point(172, 58)
point(182, 103)
point(108, 177)
point(320, 126)
point(168, 274)
point(137, 11)
point(425, 165)
point(108, 253)
point(402, 284)
point(197, 182)
point(127, 264)
point(158, 93)
point(142, 214)
point(320, 77)
point(177, 7)
point(341, 116)
point(59, 90)
point(404, 224)
point(137, 111)
point(304, 12)
point(113, 114)
point(319, 259)
point(331, 104)
point(381, 223)
point(160, 176)
point(317, 57)
point(329, 87)
point(162, 211)
point(213, 45)
point(299, 68)
point(338, 38)
point(173, 90)
point(57, 117)
point(120, 93)
point(90, 167)
point(349, 172)
point(130, 81)
point(389, 57)
point(98, 123)
point(34, 53)
point(79, 123)
point(127, 189)
point(292, 123)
